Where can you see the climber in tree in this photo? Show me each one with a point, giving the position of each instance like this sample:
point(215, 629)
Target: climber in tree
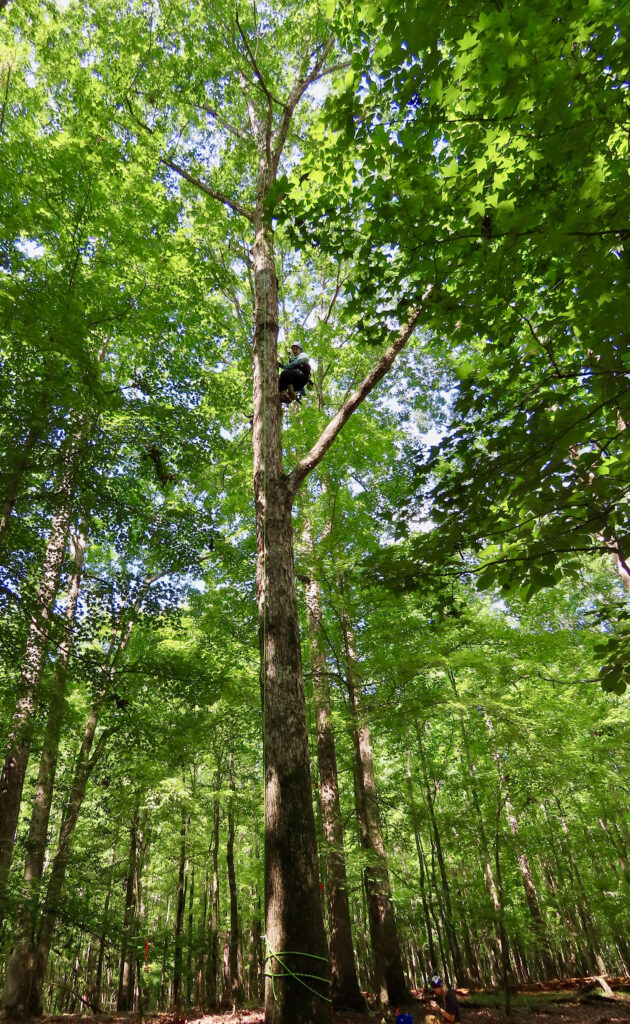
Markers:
point(295, 375)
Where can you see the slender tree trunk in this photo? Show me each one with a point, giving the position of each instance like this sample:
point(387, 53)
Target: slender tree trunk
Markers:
point(389, 975)
point(163, 999)
point(416, 832)
point(86, 761)
point(234, 979)
point(255, 933)
point(479, 821)
point(344, 987)
point(505, 954)
point(449, 921)
point(529, 886)
point(582, 904)
point(125, 977)
point(98, 984)
point(83, 770)
point(21, 732)
point(179, 914)
point(189, 936)
point(212, 966)
point(22, 958)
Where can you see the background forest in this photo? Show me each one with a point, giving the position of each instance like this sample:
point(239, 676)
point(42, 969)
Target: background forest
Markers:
point(432, 200)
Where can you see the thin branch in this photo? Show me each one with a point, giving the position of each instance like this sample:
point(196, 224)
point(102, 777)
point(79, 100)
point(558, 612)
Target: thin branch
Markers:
point(244, 212)
point(328, 435)
point(232, 129)
point(329, 71)
point(340, 282)
point(6, 96)
point(254, 63)
point(141, 124)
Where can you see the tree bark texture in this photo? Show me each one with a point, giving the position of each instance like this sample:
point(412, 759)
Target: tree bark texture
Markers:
point(212, 964)
point(15, 992)
point(126, 972)
point(98, 982)
point(235, 981)
point(13, 477)
point(85, 763)
point(389, 976)
point(179, 914)
point(531, 894)
point(420, 852)
point(449, 921)
point(344, 984)
point(189, 935)
point(21, 733)
point(296, 941)
point(480, 826)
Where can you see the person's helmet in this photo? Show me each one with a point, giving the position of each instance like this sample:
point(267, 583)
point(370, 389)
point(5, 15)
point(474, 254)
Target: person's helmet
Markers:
point(296, 344)
point(436, 981)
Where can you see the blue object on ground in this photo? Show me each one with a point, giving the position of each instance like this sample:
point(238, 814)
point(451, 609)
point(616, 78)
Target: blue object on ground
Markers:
point(404, 1018)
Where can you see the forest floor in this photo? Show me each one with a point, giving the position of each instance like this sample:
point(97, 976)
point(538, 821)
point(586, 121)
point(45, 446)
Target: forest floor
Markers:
point(529, 1009)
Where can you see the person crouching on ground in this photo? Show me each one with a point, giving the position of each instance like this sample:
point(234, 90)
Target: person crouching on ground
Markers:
point(445, 1003)
point(295, 374)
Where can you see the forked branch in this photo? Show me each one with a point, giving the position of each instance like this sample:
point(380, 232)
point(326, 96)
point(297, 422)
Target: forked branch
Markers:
point(299, 88)
point(328, 435)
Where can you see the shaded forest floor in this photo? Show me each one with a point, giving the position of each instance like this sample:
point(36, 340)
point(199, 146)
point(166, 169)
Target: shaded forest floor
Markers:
point(544, 1008)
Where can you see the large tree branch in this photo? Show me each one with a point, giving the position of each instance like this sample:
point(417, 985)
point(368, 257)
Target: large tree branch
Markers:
point(271, 99)
point(299, 88)
point(244, 212)
point(328, 435)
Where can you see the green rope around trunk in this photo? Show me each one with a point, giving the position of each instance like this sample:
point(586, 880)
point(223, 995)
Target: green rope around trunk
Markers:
point(297, 975)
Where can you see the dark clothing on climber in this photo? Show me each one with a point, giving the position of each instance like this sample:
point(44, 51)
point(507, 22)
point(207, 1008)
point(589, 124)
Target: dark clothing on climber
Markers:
point(295, 374)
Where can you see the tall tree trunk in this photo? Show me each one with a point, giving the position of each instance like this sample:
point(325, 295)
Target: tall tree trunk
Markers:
point(416, 831)
point(449, 921)
point(479, 821)
point(126, 972)
point(22, 958)
point(234, 978)
point(85, 763)
point(212, 964)
point(389, 975)
point(529, 886)
point(190, 934)
point(344, 984)
point(589, 932)
point(505, 955)
point(255, 935)
point(296, 942)
point(21, 732)
point(163, 998)
point(83, 770)
point(98, 983)
point(12, 478)
point(179, 913)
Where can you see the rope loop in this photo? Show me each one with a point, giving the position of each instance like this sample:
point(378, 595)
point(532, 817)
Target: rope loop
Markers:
point(296, 975)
